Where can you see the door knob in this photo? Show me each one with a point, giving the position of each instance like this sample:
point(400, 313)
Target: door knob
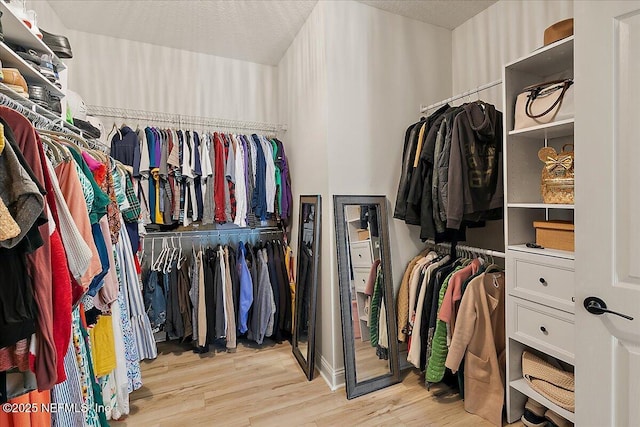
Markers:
point(595, 305)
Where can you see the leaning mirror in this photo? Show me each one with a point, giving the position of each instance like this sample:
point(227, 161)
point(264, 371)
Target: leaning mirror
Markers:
point(307, 283)
point(366, 294)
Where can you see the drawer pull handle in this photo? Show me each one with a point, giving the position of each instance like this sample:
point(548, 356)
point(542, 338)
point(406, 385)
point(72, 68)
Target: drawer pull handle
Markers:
point(544, 282)
point(543, 330)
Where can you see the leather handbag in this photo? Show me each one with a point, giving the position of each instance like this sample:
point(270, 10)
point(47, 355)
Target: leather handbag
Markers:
point(544, 103)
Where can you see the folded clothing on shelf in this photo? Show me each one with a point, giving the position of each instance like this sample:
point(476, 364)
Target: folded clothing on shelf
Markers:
point(58, 44)
point(41, 62)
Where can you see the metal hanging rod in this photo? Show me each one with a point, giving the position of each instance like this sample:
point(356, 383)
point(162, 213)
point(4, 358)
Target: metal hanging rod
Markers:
point(424, 109)
point(180, 119)
point(216, 232)
point(473, 249)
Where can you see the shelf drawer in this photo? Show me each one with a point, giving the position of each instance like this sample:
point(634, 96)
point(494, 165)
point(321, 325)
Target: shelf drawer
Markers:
point(361, 254)
point(546, 329)
point(543, 279)
point(360, 277)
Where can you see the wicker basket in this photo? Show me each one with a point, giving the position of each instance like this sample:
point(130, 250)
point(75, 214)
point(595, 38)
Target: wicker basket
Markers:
point(557, 183)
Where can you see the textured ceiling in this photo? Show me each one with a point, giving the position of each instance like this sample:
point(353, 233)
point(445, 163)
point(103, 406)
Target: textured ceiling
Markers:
point(443, 13)
point(252, 30)
point(257, 31)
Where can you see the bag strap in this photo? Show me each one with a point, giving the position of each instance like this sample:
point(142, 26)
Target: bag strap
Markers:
point(545, 84)
point(535, 90)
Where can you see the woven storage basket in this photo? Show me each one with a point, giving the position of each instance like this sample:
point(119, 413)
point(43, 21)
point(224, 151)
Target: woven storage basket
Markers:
point(557, 175)
point(553, 383)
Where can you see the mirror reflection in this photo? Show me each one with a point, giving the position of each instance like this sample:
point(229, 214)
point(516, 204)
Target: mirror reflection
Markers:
point(370, 329)
point(366, 294)
point(306, 285)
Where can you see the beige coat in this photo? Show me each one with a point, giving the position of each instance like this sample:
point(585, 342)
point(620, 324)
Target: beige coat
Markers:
point(403, 298)
point(480, 337)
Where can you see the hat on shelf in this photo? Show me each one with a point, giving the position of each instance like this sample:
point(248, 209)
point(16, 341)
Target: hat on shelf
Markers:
point(89, 129)
point(12, 77)
point(58, 44)
point(558, 31)
point(39, 95)
point(550, 381)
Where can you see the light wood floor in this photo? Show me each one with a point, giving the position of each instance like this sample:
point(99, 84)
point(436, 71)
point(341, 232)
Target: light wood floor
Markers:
point(266, 387)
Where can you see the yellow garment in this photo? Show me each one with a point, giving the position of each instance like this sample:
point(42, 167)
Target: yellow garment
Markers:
point(289, 262)
point(103, 350)
point(157, 215)
point(419, 148)
point(1, 138)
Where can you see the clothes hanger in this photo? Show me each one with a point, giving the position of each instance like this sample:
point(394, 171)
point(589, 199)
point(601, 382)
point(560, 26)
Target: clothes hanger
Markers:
point(81, 142)
point(157, 266)
point(180, 257)
point(53, 149)
point(166, 269)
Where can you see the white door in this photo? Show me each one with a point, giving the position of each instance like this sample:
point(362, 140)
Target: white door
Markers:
point(607, 147)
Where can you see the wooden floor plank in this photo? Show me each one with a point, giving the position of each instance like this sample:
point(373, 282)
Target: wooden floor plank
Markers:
point(265, 387)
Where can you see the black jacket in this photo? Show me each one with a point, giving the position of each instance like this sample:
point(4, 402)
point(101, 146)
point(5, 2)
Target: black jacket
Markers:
point(412, 185)
point(408, 154)
point(475, 170)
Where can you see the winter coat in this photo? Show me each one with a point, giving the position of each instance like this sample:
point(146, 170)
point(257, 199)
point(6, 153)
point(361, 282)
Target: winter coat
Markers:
point(479, 337)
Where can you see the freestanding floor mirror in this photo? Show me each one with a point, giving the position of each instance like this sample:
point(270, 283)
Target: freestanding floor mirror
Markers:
point(366, 294)
point(307, 283)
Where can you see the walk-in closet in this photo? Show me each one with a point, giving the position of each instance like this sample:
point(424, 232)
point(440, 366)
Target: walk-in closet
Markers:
point(319, 213)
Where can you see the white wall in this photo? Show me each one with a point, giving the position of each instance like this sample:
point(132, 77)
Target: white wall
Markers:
point(114, 72)
point(350, 84)
point(303, 99)
point(381, 67)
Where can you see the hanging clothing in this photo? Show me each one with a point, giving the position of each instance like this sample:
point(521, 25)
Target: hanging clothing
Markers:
point(480, 339)
point(125, 147)
point(475, 171)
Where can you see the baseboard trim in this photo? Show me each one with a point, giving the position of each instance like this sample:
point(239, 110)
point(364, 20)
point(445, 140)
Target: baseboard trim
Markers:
point(333, 378)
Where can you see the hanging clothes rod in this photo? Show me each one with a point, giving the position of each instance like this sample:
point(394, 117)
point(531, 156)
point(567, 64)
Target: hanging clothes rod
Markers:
point(480, 251)
point(215, 232)
point(180, 119)
point(424, 109)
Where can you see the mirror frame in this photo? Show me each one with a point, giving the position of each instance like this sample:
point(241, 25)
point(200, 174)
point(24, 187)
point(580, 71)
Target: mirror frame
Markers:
point(355, 388)
point(308, 364)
